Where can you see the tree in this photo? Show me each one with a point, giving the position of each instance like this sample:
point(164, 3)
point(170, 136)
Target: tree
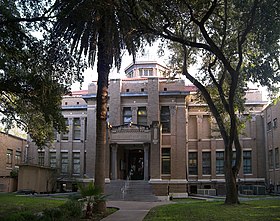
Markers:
point(33, 77)
point(97, 28)
point(236, 42)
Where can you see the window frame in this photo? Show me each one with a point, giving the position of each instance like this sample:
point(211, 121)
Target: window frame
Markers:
point(165, 119)
point(166, 161)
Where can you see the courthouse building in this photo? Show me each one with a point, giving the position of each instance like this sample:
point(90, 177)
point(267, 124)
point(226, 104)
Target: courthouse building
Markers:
point(158, 131)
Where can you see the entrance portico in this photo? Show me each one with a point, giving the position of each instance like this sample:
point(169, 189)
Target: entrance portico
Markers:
point(130, 161)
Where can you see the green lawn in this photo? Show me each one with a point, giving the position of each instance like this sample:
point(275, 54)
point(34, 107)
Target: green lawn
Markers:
point(190, 210)
point(10, 203)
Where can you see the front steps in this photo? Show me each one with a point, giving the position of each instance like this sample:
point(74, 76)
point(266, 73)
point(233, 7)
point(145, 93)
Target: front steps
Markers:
point(131, 190)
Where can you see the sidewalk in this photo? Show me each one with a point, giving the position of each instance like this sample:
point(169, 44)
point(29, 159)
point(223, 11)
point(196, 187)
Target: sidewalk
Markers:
point(131, 210)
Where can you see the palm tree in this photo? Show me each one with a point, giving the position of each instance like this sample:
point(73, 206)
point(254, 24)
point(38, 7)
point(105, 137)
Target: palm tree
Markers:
point(99, 28)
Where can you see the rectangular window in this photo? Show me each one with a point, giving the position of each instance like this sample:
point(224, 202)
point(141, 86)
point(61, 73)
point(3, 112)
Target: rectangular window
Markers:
point(85, 128)
point(65, 135)
point(270, 159)
point(18, 158)
point(165, 161)
point(277, 157)
point(145, 72)
point(275, 123)
point(247, 162)
point(165, 119)
point(76, 128)
point(9, 158)
point(192, 163)
point(220, 162)
point(142, 116)
point(233, 158)
point(76, 164)
point(64, 162)
point(206, 163)
point(52, 159)
point(41, 158)
point(127, 115)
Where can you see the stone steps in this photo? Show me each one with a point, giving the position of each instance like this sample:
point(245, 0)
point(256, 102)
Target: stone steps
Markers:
point(133, 190)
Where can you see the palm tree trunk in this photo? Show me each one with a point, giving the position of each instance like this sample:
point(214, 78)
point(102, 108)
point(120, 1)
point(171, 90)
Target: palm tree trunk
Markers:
point(103, 68)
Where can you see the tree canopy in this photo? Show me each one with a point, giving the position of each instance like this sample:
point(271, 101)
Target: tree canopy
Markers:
point(231, 41)
point(34, 73)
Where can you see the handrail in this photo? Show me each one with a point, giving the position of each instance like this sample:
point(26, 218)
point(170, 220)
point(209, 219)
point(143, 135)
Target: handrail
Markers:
point(126, 185)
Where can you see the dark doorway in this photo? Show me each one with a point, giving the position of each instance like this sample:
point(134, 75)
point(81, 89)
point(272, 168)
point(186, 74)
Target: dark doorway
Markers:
point(136, 164)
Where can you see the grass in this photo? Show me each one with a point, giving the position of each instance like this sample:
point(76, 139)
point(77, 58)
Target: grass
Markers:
point(11, 204)
point(190, 210)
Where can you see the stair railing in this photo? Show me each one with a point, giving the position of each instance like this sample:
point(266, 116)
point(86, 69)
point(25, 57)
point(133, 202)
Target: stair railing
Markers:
point(126, 185)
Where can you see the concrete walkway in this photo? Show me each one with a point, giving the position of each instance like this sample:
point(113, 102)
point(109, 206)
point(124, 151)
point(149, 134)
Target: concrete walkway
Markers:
point(131, 210)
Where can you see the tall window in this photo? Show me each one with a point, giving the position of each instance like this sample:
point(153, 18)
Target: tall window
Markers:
point(9, 158)
point(277, 157)
point(219, 162)
point(76, 164)
point(275, 123)
point(142, 116)
point(247, 162)
point(65, 135)
point(41, 158)
point(206, 163)
point(52, 159)
point(269, 126)
point(270, 159)
point(165, 161)
point(64, 162)
point(76, 128)
point(165, 119)
point(127, 115)
point(192, 163)
point(18, 158)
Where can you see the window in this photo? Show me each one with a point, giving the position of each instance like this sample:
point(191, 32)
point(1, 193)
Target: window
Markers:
point(275, 123)
point(127, 115)
point(165, 161)
point(145, 72)
point(9, 158)
point(41, 158)
point(52, 159)
point(270, 159)
point(220, 162)
point(86, 128)
point(64, 162)
point(206, 163)
point(76, 164)
point(193, 163)
point(247, 162)
point(142, 116)
point(66, 134)
point(77, 129)
point(233, 158)
point(165, 119)
point(269, 126)
point(277, 157)
point(18, 158)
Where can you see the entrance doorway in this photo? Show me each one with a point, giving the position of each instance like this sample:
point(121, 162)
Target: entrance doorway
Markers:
point(136, 164)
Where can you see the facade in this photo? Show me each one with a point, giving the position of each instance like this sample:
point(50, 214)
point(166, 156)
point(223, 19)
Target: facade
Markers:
point(272, 145)
point(157, 131)
point(12, 154)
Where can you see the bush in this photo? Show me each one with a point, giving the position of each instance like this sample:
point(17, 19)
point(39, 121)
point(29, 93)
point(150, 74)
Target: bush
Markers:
point(21, 216)
point(72, 209)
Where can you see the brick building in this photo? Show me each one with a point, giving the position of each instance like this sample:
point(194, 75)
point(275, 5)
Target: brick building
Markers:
point(272, 144)
point(157, 131)
point(12, 154)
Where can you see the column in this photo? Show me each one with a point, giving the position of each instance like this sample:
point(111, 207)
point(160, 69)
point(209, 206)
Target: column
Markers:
point(146, 161)
point(114, 166)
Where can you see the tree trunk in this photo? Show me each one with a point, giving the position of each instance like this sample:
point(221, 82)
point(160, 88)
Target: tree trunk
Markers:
point(104, 62)
point(230, 177)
